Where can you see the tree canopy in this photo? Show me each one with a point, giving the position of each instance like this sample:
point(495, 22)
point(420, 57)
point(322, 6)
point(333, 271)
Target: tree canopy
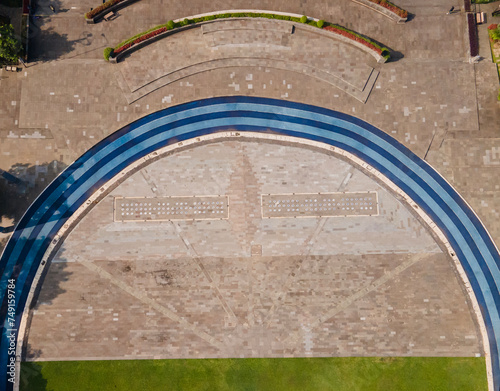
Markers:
point(10, 48)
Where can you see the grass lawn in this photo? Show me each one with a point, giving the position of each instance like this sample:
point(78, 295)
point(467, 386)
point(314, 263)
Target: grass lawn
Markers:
point(354, 373)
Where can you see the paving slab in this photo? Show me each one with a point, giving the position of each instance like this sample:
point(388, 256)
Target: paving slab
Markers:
point(233, 42)
point(312, 288)
point(429, 98)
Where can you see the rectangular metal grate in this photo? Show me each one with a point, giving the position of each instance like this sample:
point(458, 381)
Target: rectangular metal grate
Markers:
point(319, 205)
point(171, 208)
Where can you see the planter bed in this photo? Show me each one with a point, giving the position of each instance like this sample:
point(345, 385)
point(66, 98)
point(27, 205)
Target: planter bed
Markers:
point(357, 38)
point(467, 6)
point(473, 42)
point(386, 8)
point(113, 5)
point(152, 35)
point(495, 52)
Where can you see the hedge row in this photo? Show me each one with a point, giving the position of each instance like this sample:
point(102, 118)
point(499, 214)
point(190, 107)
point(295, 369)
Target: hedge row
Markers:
point(473, 42)
point(391, 7)
point(358, 38)
point(467, 5)
point(104, 6)
point(170, 25)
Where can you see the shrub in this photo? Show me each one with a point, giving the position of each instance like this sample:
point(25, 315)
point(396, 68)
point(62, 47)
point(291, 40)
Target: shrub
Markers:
point(185, 22)
point(495, 34)
point(107, 53)
point(170, 24)
point(10, 47)
point(320, 23)
point(303, 19)
point(492, 26)
point(473, 42)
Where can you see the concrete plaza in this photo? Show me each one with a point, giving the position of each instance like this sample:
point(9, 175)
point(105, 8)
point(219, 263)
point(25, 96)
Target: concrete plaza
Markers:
point(248, 286)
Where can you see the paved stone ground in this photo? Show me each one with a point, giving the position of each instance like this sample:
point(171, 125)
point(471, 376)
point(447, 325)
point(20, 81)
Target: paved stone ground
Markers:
point(213, 42)
point(247, 286)
point(429, 98)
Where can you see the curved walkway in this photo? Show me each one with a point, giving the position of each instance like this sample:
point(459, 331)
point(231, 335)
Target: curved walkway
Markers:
point(193, 69)
point(50, 212)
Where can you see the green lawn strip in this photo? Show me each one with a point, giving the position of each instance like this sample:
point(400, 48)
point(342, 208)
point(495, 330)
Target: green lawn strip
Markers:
point(353, 373)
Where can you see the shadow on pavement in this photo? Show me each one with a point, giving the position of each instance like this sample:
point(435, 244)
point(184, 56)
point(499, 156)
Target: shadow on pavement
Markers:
point(31, 377)
point(45, 42)
point(19, 187)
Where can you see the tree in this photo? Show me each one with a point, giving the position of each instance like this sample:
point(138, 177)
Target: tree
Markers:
point(10, 48)
point(495, 34)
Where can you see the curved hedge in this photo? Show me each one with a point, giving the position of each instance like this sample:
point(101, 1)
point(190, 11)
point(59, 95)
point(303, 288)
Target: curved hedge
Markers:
point(107, 53)
point(473, 40)
point(171, 25)
point(358, 38)
point(391, 7)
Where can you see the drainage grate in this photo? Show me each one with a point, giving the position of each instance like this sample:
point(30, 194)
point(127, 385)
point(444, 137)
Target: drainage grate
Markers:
point(319, 204)
point(171, 208)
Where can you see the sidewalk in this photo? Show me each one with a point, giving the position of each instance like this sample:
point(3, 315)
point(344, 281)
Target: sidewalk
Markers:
point(482, 29)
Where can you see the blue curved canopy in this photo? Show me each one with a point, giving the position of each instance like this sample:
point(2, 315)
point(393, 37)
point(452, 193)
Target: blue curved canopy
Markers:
point(32, 236)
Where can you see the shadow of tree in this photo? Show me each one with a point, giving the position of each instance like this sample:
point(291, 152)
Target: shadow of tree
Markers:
point(4, 19)
point(44, 41)
point(19, 186)
point(48, 288)
point(22, 183)
point(49, 285)
point(31, 377)
point(47, 44)
point(11, 3)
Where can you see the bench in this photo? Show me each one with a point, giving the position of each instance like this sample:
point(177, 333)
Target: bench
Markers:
point(11, 68)
point(109, 16)
point(480, 17)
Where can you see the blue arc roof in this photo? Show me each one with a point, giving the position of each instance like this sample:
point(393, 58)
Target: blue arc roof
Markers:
point(31, 238)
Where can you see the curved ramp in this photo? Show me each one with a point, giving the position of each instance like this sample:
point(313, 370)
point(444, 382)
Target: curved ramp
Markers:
point(360, 94)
